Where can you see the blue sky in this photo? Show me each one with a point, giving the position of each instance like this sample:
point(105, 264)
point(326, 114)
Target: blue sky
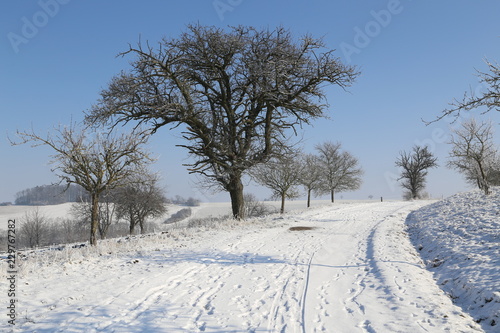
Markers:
point(414, 57)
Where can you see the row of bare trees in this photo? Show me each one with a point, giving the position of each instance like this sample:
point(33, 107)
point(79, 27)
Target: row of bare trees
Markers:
point(329, 171)
point(237, 94)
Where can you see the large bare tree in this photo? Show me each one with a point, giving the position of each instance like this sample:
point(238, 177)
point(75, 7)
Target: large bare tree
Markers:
point(96, 162)
point(474, 153)
point(415, 165)
point(235, 93)
point(340, 169)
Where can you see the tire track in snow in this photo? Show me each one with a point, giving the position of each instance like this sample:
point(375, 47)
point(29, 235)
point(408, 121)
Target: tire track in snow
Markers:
point(285, 304)
point(304, 294)
point(366, 266)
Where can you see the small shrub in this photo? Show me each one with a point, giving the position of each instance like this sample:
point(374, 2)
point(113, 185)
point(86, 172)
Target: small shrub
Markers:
point(254, 208)
point(206, 222)
point(192, 202)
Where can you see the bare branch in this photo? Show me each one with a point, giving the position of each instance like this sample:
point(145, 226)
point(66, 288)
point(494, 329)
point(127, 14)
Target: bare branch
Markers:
point(489, 99)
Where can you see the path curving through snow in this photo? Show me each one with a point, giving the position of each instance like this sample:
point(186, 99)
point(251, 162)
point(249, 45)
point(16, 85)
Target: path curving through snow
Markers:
point(354, 270)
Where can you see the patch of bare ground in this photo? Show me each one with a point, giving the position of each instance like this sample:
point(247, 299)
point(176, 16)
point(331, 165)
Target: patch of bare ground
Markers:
point(301, 228)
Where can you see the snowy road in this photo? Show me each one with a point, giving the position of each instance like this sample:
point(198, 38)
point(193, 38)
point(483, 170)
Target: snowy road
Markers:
point(355, 271)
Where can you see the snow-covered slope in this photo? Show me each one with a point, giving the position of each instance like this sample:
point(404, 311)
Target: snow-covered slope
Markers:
point(340, 268)
point(459, 239)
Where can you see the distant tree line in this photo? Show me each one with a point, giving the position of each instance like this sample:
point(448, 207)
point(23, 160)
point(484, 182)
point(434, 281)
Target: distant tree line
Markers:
point(179, 200)
point(49, 195)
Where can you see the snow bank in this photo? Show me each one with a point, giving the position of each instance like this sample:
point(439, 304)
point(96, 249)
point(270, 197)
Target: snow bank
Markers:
point(458, 238)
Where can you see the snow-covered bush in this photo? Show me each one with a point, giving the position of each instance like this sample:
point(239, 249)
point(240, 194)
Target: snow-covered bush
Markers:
point(179, 216)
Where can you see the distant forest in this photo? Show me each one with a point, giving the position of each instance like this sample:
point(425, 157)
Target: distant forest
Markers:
point(50, 195)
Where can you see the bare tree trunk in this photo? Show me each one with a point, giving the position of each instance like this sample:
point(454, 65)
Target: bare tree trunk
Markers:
point(332, 193)
point(308, 198)
point(106, 214)
point(143, 229)
point(484, 180)
point(282, 210)
point(236, 194)
point(132, 225)
point(94, 220)
point(487, 190)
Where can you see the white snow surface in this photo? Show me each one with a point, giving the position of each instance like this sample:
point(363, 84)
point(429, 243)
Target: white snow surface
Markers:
point(354, 271)
point(459, 240)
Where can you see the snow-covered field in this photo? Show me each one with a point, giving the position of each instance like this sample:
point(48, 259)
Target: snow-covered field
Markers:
point(348, 268)
point(459, 240)
point(204, 210)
